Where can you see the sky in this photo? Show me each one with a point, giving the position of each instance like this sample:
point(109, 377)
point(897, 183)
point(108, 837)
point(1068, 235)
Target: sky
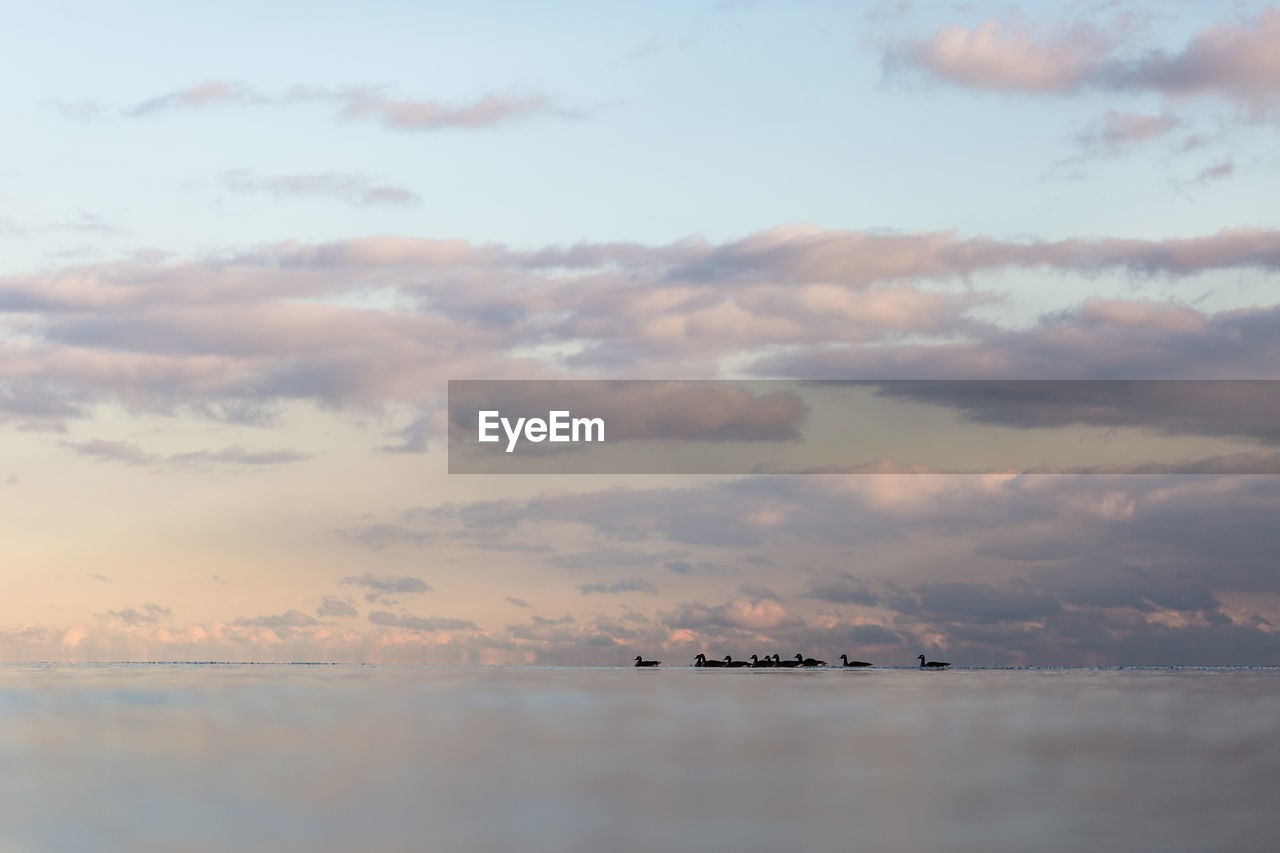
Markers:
point(245, 246)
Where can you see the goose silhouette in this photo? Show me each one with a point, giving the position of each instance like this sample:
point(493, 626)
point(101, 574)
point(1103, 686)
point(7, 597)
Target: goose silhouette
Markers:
point(787, 663)
point(804, 661)
point(730, 662)
point(642, 662)
point(756, 663)
point(850, 664)
point(701, 660)
point(933, 664)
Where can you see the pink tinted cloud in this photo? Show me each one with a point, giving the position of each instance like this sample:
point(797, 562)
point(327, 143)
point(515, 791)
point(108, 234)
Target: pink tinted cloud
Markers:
point(1239, 61)
point(239, 330)
point(1007, 56)
point(366, 102)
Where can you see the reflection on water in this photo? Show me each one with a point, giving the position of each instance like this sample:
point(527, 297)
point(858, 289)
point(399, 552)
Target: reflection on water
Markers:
point(213, 757)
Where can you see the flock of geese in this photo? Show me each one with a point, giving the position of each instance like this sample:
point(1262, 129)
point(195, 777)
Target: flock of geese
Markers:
point(775, 661)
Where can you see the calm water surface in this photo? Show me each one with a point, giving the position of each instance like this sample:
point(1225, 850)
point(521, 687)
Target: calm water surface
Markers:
point(230, 757)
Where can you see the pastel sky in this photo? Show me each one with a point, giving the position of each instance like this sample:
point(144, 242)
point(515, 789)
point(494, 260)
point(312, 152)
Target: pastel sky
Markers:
point(244, 246)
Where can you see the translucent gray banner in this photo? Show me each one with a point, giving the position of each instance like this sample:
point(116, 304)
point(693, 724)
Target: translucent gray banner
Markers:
point(864, 427)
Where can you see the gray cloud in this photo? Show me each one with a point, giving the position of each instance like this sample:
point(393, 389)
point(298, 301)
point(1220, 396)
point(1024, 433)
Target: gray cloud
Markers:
point(130, 454)
point(238, 334)
point(756, 592)
point(841, 589)
point(1104, 339)
point(1216, 172)
point(641, 410)
point(381, 588)
point(287, 620)
point(203, 94)
point(982, 603)
point(1234, 408)
point(364, 102)
point(619, 587)
point(348, 187)
point(335, 608)
point(518, 602)
point(379, 536)
point(149, 614)
point(1116, 132)
point(1229, 60)
point(609, 558)
point(418, 623)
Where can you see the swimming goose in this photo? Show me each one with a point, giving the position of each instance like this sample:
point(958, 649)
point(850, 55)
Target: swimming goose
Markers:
point(756, 663)
point(933, 664)
point(787, 663)
point(852, 663)
point(804, 661)
point(701, 660)
point(642, 662)
point(730, 662)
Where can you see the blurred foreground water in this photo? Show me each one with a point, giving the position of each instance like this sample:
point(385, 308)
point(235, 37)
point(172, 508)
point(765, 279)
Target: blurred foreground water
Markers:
point(267, 757)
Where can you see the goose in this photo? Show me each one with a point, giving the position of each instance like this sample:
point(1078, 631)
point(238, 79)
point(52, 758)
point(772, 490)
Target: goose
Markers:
point(702, 661)
point(852, 663)
point(804, 661)
point(933, 664)
point(730, 662)
point(642, 662)
point(787, 663)
point(756, 663)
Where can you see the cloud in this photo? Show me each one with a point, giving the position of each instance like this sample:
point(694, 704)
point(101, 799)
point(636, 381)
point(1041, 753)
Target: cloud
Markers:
point(413, 438)
point(418, 623)
point(149, 614)
point(335, 608)
point(518, 602)
point(406, 114)
point(619, 587)
point(1008, 56)
point(130, 454)
point(755, 592)
point(733, 616)
point(1228, 408)
point(114, 451)
point(379, 536)
point(608, 558)
point(1018, 569)
point(236, 455)
point(1103, 339)
point(234, 336)
point(1235, 61)
point(204, 94)
point(1217, 172)
point(364, 102)
point(982, 603)
point(670, 410)
point(288, 619)
point(348, 187)
point(843, 589)
point(1118, 132)
point(381, 588)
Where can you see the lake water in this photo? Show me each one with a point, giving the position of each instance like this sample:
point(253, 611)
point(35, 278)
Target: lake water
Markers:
point(267, 757)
